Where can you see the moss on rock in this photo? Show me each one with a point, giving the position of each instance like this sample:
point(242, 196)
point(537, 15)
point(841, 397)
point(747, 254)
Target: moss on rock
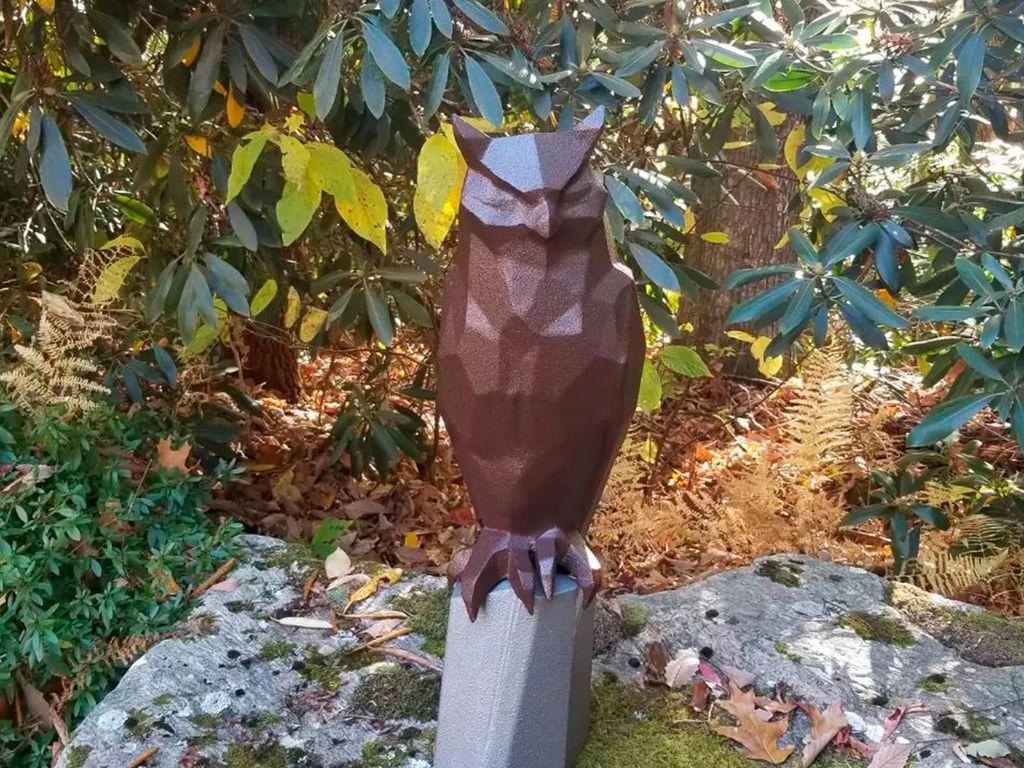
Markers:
point(634, 618)
point(268, 755)
point(398, 693)
point(428, 616)
point(276, 649)
point(878, 627)
point(979, 636)
point(786, 574)
point(77, 756)
point(782, 648)
point(936, 683)
point(639, 729)
point(327, 670)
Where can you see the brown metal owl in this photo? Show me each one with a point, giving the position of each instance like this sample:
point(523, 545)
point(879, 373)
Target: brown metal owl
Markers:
point(540, 357)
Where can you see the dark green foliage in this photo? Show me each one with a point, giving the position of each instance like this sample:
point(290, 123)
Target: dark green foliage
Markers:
point(90, 555)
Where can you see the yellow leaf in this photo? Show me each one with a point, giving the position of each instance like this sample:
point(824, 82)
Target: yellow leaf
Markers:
point(440, 173)
point(46, 6)
point(190, 56)
point(367, 215)
point(783, 241)
point(330, 169)
point(383, 576)
point(21, 125)
point(109, 283)
point(263, 297)
point(311, 324)
point(826, 201)
point(768, 366)
point(199, 145)
point(886, 298)
point(775, 118)
point(411, 540)
point(736, 144)
point(291, 311)
point(296, 208)
point(235, 110)
point(123, 241)
point(689, 222)
point(295, 121)
point(294, 159)
point(204, 337)
point(218, 87)
point(715, 237)
point(741, 336)
point(794, 141)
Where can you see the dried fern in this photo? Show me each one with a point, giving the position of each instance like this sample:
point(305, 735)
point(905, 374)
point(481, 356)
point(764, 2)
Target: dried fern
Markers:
point(951, 574)
point(819, 420)
point(54, 370)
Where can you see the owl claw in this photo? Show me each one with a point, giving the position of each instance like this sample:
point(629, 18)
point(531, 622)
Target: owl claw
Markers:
point(500, 555)
point(548, 550)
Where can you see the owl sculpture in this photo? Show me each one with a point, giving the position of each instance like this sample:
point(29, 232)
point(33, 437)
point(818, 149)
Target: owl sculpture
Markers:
point(540, 357)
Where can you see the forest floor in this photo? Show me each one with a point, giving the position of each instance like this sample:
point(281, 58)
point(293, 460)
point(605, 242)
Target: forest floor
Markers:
point(727, 470)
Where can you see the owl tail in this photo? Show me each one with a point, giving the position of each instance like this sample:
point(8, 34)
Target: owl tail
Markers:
point(522, 560)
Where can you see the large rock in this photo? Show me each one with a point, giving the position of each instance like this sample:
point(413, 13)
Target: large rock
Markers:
point(236, 689)
point(831, 632)
point(240, 690)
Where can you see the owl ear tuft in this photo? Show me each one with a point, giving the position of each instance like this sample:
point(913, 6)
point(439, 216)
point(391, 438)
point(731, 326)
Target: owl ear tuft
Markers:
point(589, 129)
point(471, 141)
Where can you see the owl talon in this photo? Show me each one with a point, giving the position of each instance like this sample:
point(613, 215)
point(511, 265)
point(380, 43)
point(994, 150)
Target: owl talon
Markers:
point(499, 555)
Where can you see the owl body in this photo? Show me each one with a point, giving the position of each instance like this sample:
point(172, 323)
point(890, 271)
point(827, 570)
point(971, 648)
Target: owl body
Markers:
point(540, 355)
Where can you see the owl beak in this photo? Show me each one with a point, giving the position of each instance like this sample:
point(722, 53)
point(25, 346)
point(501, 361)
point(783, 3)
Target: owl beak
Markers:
point(542, 220)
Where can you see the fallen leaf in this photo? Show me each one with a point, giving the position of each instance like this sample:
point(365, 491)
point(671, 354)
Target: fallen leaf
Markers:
point(170, 458)
point(701, 696)
point(774, 705)
point(228, 585)
point(352, 578)
point(759, 739)
point(462, 516)
point(891, 756)
point(37, 704)
point(411, 540)
point(824, 727)
point(892, 721)
point(759, 736)
point(304, 622)
point(958, 750)
point(338, 564)
point(383, 576)
point(739, 676)
point(987, 748)
point(363, 507)
point(382, 627)
point(707, 672)
point(682, 669)
point(998, 762)
point(656, 662)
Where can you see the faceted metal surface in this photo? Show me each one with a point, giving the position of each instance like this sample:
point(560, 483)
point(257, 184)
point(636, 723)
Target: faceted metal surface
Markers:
point(516, 687)
point(540, 357)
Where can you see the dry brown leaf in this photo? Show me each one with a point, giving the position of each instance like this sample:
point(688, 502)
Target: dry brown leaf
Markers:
point(824, 727)
point(170, 458)
point(891, 756)
point(37, 704)
point(382, 627)
point(741, 677)
point(758, 737)
point(360, 508)
point(228, 585)
point(701, 696)
point(774, 705)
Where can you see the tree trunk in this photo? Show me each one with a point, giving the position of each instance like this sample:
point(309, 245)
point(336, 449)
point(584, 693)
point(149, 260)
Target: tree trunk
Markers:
point(750, 206)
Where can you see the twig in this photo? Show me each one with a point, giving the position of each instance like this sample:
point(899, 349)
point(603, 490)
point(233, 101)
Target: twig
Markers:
point(219, 574)
point(144, 758)
point(377, 615)
point(382, 639)
point(414, 658)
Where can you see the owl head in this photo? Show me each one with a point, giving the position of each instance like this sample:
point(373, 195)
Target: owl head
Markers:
point(531, 180)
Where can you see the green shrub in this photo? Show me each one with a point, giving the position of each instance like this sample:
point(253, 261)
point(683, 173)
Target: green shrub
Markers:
point(97, 553)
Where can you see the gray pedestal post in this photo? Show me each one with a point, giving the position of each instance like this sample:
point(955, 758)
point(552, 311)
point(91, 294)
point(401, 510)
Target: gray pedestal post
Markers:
point(516, 687)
